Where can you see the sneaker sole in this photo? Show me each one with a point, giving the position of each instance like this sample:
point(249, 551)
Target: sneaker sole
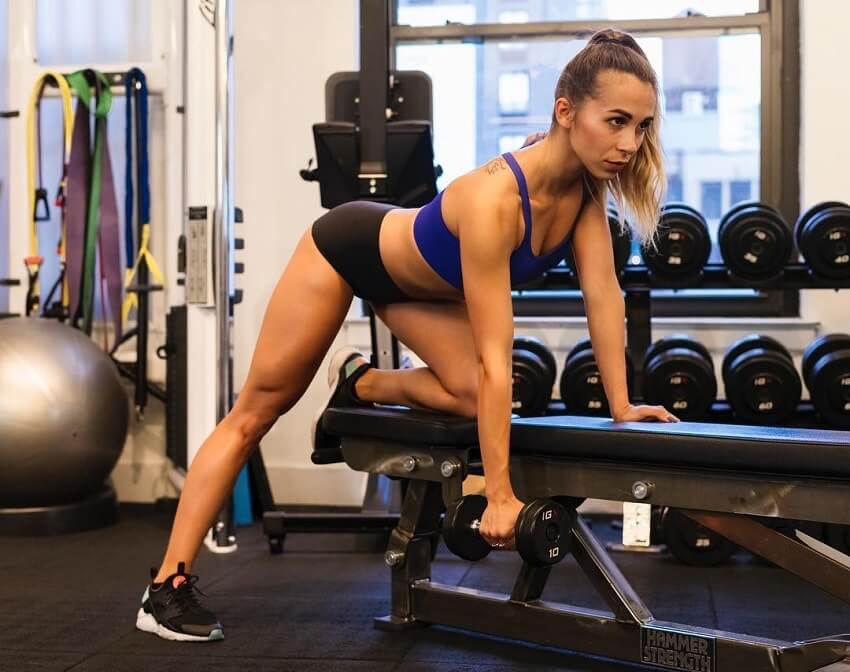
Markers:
point(147, 623)
point(339, 358)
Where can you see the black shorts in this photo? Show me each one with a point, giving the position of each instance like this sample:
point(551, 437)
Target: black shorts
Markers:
point(347, 236)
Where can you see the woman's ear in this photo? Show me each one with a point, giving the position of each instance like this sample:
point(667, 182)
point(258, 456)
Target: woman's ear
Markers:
point(564, 112)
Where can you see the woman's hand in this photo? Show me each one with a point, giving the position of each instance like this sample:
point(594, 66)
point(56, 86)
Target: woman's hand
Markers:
point(499, 521)
point(632, 413)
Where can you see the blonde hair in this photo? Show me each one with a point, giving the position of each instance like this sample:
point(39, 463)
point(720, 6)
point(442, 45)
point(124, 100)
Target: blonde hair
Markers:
point(638, 190)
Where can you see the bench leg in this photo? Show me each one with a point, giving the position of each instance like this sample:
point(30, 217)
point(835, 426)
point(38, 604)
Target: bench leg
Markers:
point(410, 550)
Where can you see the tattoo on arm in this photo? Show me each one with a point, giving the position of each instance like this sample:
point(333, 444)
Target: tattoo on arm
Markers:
point(495, 166)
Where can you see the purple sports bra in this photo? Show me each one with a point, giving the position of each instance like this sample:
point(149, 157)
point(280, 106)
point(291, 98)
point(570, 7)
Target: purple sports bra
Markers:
point(441, 248)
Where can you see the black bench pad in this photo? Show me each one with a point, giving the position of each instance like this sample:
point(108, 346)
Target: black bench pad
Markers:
point(803, 452)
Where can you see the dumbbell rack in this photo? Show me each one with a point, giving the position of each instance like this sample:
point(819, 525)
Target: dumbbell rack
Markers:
point(637, 281)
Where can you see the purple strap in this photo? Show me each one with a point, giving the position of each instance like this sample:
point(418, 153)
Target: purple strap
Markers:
point(109, 243)
point(76, 202)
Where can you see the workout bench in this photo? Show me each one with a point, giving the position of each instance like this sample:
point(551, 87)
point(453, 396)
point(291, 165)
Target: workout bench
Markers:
point(723, 476)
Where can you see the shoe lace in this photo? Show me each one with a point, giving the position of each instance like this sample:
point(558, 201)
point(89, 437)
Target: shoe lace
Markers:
point(185, 596)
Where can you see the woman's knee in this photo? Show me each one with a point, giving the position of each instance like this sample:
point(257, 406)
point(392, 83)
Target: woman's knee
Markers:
point(250, 424)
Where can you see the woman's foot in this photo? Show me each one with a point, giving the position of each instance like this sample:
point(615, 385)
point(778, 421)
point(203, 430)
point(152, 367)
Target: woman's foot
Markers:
point(346, 367)
point(171, 609)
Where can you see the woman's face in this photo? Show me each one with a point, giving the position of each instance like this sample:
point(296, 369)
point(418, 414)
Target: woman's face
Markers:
point(607, 131)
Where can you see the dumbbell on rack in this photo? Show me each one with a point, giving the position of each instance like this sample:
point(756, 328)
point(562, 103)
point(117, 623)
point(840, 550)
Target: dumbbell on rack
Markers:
point(541, 533)
point(826, 372)
point(533, 369)
point(679, 375)
point(755, 242)
point(822, 234)
point(762, 385)
point(691, 543)
point(684, 245)
point(581, 383)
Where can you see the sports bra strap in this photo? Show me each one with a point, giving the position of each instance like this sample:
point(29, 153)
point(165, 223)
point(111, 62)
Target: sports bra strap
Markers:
point(523, 193)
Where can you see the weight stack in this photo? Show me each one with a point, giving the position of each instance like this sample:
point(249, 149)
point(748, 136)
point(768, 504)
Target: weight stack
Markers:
point(176, 407)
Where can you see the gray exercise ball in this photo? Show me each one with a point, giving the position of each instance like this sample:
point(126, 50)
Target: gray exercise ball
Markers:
point(63, 414)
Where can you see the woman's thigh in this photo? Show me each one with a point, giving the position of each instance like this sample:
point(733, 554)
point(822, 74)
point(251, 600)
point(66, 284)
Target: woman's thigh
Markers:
point(441, 336)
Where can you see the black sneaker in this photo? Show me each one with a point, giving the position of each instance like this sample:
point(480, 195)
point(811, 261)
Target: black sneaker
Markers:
point(175, 613)
point(344, 370)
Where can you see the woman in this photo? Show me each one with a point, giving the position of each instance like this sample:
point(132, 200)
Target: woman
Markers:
point(440, 278)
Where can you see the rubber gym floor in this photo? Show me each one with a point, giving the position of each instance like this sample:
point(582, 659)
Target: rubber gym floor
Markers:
point(69, 603)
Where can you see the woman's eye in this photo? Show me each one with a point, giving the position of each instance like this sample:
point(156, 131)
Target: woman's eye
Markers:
point(617, 121)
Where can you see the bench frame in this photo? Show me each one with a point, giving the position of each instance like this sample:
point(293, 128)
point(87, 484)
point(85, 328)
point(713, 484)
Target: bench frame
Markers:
point(723, 501)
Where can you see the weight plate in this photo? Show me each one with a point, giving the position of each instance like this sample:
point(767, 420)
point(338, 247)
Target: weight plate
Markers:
point(581, 383)
point(824, 242)
point(830, 389)
point(683, 246)
point(461, 539)
point(691, 543)
point(750, 342)
point(763, 387)
point(532, 384)
point(808, 214)
point(755, 243)
point(677, 341)
point(819, 347)
point(681, 381)
point(542, 532)
point(539, 348)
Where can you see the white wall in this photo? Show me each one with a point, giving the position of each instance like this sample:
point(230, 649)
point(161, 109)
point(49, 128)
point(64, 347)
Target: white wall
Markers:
point(824, 135)
point(284, 52)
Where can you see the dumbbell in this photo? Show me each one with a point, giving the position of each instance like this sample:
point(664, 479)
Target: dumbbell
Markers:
point(755, 242)
point(621, 241)
point(581, 383)
point(684, 245)
point(822, 234)
point(691, 543)
point(541, 533)
point(762, 385)
point(533, 369)
point(826, 372)
point(679, 375)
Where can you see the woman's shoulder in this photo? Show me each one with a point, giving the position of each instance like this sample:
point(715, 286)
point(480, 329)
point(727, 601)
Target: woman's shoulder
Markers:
point(492, 180)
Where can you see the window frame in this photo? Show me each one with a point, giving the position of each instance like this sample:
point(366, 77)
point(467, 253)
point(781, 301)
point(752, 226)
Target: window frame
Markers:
point(777, 23)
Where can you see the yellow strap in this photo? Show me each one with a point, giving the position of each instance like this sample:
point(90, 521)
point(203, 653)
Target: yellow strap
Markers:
point(32, 158)
point(130, 298)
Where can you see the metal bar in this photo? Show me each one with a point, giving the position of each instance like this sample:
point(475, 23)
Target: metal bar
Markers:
point(596, 633)
point(223, 222)
point(692, 25)
point(606, 577)
point(223, 213)
point(530, 583)
point(819, 570)
point(819, 500)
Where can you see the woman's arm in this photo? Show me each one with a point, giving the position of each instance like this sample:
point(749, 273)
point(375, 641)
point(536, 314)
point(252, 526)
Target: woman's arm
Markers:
point(606, 313)
point(488, 235)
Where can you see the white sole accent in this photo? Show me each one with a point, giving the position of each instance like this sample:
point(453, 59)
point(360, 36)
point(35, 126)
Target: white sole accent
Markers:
point(337, 360)
point(147, 623)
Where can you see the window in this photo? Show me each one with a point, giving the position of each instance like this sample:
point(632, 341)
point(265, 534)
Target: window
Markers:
point(711, 201)
point(582, 10)
point(511, 143)
point(674, 188)
point(513, 93)
point(739, 190)
point(712, 82)
point(93, 31)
